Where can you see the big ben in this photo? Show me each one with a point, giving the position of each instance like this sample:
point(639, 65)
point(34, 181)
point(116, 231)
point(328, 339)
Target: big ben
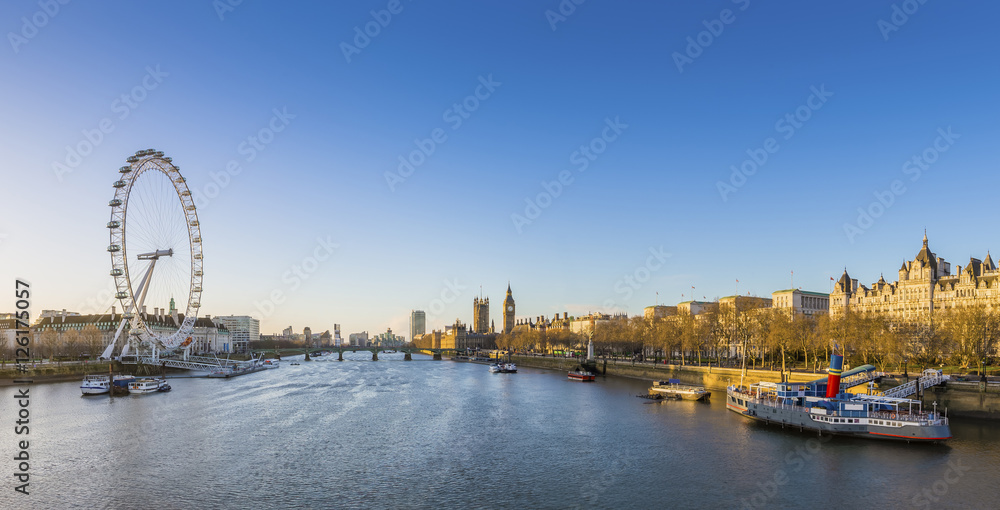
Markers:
point(508, 312)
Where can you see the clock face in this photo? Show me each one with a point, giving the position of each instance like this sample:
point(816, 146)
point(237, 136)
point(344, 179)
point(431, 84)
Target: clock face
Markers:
point(510, 308)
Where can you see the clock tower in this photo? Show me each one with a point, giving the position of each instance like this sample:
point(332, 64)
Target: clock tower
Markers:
point(508, 312)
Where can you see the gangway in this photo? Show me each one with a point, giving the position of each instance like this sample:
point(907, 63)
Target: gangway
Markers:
point(201, 364)
point(930, 378)
point(855, 377)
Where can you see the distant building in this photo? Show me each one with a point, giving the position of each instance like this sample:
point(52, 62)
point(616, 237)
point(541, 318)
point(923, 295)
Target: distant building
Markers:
point(801, 302)
point(288, 333)
point(46, 314)
point(745, 303)
point(387, 339)
point(307, 335)
point(480, 315)
point(508, 312)
point(418, 323)
point(337, 340)
point(694, 307)
point(457, 336)
point(359, 339)
point(243, 331)
point(587, 324)
point(659, 311)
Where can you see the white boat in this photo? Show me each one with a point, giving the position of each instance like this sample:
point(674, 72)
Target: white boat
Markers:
point(95, 384)
point(144, 386)
point(503, 368)
point(269, 363)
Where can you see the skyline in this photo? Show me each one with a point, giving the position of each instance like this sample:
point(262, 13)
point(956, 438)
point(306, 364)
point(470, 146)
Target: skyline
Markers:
point(375, 158)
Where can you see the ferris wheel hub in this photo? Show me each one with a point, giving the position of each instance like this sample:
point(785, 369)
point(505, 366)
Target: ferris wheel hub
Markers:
point(153, 255)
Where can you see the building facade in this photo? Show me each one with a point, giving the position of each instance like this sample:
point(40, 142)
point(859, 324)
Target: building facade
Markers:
point(926, 285)
point(359, 339)
point(418, 323)
point(90, 334)
point(659, 311)
point(243, 330)
point(480, 315)
point(801, 302)
point(508, 312)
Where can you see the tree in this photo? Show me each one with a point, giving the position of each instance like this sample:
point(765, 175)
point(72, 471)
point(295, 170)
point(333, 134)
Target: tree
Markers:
point(971, 332)
point(50, 341)
point(91, 339)
point(71, 343)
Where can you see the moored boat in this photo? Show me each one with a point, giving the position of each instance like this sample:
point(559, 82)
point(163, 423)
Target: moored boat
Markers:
point(144, 386)
point(95, 384)
point(582, 375)
point(672, 388)
point(503, 368)
point(825, 406)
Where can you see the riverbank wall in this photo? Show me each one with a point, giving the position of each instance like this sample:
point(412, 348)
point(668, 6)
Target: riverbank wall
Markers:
point(713, 378)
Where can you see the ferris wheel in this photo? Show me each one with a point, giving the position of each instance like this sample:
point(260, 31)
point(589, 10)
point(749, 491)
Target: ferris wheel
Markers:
point(154, 226)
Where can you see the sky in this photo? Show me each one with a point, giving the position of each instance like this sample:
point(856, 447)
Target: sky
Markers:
point(353, 161)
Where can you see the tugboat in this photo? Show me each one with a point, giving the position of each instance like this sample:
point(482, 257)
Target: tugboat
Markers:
point(825, 406)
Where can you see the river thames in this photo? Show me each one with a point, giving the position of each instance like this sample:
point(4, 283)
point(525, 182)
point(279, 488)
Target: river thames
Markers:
point(433, 434)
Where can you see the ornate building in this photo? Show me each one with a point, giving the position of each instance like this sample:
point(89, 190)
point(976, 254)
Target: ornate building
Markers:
point(508, 312)
point(480, 315)
point(925, 285)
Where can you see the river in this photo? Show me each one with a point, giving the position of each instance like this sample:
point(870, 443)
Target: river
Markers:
point(433, 434)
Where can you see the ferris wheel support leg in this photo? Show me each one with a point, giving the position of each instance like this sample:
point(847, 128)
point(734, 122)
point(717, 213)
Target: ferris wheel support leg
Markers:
point(142, 285)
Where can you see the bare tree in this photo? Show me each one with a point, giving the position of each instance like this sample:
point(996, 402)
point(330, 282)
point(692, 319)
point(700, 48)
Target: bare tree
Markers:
point(91, 339)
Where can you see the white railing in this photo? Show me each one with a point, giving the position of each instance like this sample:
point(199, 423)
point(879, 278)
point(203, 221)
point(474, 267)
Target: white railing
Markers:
point(932, 378)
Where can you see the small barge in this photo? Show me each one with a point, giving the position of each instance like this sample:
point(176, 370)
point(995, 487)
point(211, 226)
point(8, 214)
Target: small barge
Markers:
point(672, 388)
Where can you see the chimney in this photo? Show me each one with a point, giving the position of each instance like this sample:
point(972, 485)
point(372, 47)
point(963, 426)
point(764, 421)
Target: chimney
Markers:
point(63, 315)
point(144, 310)
point(113, 308)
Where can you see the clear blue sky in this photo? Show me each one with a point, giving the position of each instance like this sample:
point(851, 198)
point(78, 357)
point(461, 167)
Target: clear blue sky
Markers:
point(450, 220)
